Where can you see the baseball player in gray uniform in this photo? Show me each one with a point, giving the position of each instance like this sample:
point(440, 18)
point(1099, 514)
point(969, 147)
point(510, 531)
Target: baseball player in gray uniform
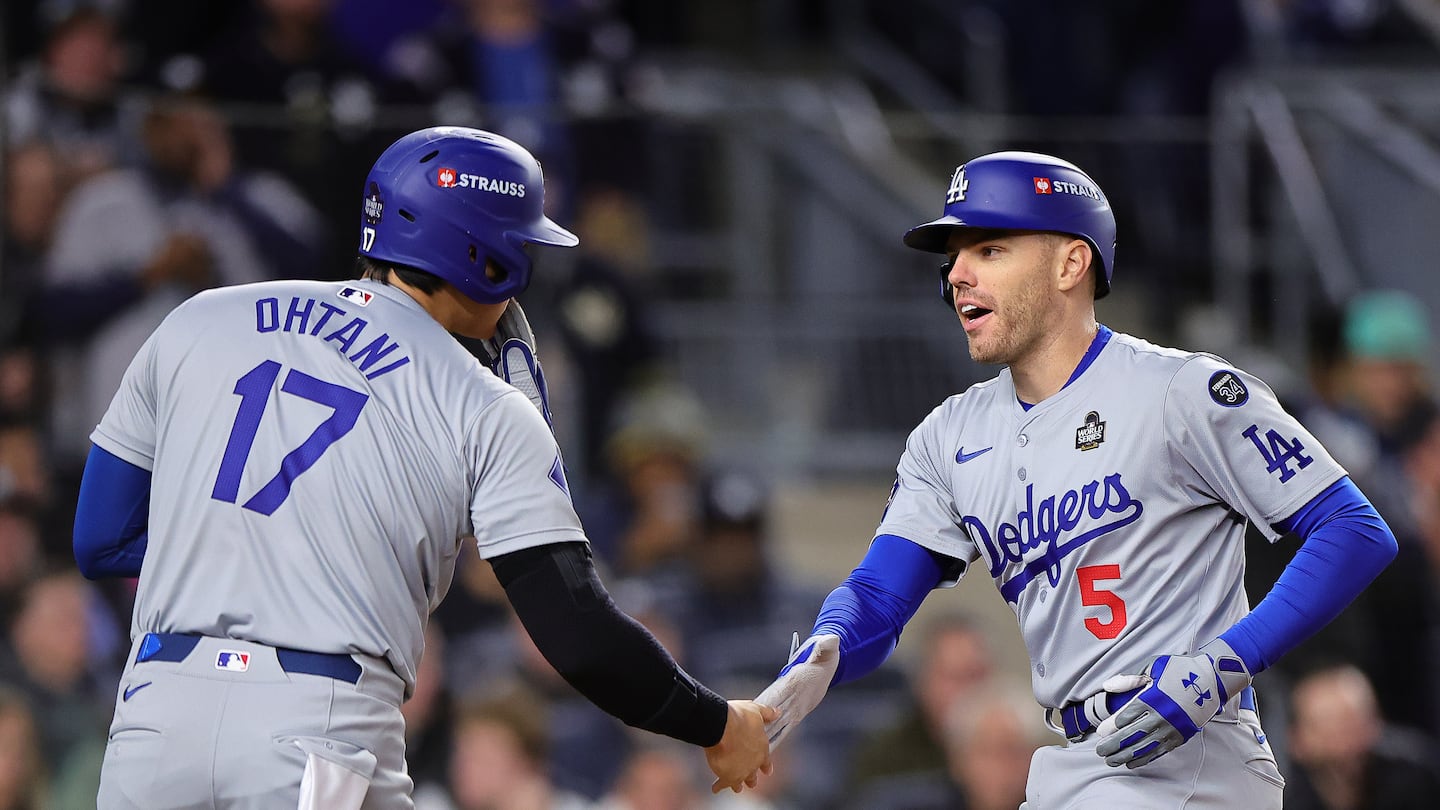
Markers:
point(292, 468)
point(1104, 484)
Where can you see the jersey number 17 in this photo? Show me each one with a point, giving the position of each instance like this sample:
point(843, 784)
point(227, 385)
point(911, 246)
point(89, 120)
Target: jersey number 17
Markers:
point(254, 389)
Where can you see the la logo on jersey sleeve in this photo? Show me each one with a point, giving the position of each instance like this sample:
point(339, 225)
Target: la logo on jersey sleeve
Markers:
point(1278, 452)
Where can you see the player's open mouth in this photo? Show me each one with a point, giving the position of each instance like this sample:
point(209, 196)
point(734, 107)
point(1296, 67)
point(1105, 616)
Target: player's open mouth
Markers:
point(972, 315)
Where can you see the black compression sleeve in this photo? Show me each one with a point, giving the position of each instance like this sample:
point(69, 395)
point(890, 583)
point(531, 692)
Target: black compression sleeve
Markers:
point(606, 655)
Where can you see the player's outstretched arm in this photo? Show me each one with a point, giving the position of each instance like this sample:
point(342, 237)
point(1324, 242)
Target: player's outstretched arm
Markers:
point(620, 667)
point(857, 629)
point(1346, 545)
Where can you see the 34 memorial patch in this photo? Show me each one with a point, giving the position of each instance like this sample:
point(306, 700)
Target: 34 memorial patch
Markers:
point(1227, 390)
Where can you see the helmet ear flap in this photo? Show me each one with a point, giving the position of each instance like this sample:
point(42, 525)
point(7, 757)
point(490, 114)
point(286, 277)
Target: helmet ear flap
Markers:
point(947, 293)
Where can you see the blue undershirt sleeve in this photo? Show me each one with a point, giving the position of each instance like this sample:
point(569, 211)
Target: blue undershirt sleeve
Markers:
point(1346, 544)
point(112, 516)
point(870, 608)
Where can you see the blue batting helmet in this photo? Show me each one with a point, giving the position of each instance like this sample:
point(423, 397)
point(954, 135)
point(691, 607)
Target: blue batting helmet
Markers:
point(445, 199)
point(1025, 191)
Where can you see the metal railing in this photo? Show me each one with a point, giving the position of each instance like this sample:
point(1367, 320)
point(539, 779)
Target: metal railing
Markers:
point(819, 343)
point(1325, 182)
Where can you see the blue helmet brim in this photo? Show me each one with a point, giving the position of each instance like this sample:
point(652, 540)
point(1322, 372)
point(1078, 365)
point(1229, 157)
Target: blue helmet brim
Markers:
point(549, 233)
point(933, 235)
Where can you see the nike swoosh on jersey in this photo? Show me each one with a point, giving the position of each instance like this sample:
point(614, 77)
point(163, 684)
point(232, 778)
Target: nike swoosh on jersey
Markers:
point(961, 457)
point(132, 690)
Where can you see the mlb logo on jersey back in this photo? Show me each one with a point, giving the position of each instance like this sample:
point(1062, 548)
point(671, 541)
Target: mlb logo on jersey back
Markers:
point(356, 296)
point(232, 660)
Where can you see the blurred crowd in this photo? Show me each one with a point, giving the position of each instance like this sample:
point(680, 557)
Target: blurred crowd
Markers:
point(154, 148)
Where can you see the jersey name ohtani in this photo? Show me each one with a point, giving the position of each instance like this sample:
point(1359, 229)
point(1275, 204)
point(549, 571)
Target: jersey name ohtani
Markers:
point(1049, 526)
point(306, 316)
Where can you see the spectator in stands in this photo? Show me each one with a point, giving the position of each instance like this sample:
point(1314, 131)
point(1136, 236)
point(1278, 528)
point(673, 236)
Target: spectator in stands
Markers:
point(72, 98)
point(1347, 758)
point(476, 622)
point(1389, 346)
point(520, 67)
point(740, 608)
point(283, 53)
point(22, 769)
point(368, 29)
point(1414, 633)
point(428, 718)
point(131, 244)
point(53, 665)
point(658, 776)
point(34, 189)
point(498, 756)
point(956, 661)
point(1422, 469)
point(24, 468)
point(20, 557)
point(990, 736)
point(598, 303)
point(303, 106)
point(647, 525)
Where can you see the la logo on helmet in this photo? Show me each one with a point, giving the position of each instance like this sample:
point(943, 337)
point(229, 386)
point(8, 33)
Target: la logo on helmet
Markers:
point(445, 178)
point(958, 186)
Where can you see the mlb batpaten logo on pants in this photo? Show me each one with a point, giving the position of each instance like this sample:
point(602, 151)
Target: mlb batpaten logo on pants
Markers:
point(232, 660)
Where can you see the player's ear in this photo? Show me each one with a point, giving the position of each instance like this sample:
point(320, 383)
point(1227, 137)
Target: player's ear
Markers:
point(1075, 259)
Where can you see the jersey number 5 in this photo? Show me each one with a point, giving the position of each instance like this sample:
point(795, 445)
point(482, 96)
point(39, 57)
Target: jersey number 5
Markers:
point(1091, 596)
point(254, 390)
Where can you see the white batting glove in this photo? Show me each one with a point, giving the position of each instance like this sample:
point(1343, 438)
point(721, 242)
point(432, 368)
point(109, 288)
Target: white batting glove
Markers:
point(514, 359)
point(1097, 707)
point(1185, 693)
point(802, 683)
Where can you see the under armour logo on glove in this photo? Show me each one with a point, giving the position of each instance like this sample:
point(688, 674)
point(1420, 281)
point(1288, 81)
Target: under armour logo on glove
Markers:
point(1171, 710)
point(1191, 684)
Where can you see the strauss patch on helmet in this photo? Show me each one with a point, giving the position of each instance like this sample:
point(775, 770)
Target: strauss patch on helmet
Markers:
point(446, 177)
point(1063, 187)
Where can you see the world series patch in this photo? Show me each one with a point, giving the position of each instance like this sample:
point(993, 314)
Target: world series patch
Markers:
point(1089, 435)
point(1227, 390)
point(374, 205)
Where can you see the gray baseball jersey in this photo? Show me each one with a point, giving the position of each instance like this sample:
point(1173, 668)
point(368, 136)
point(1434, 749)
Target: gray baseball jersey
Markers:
point(1111, 516)
point(319, 451)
